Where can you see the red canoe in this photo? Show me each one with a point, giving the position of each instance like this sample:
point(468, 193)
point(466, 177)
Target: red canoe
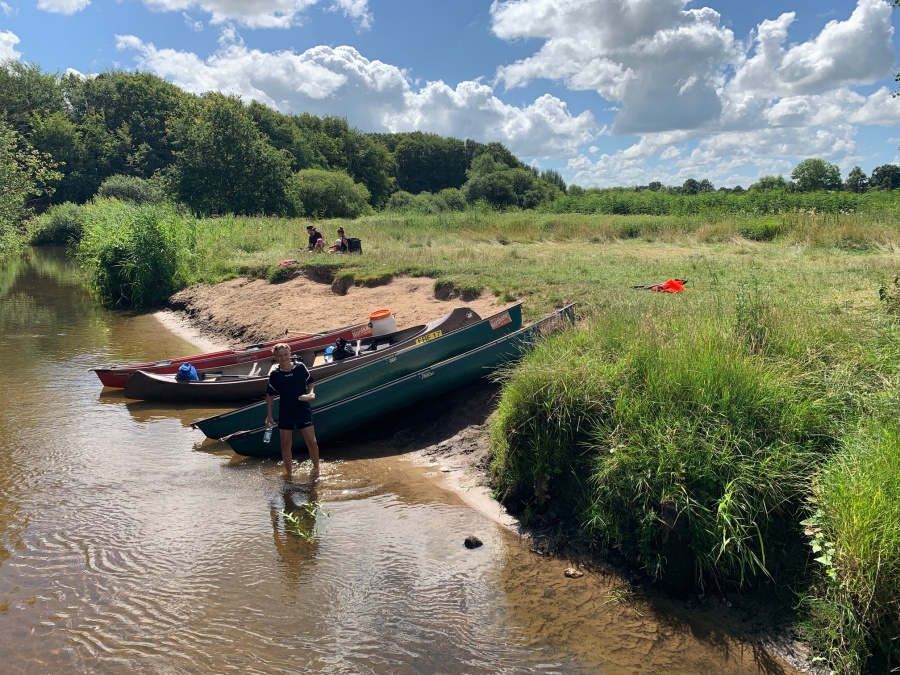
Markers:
point(116, 376)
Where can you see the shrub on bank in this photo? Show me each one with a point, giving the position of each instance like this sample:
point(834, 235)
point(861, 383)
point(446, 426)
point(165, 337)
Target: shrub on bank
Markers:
point(136, 255)
point(677, 446)
point(61, 225)
point(855, 534)
point(132, 189)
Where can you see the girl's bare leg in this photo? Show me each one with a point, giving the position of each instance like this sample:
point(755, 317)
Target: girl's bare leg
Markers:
point(287, 438)
point(309, 436)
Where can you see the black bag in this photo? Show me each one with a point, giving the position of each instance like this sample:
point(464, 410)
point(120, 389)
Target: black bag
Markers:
point(354, 244)
point(342, 350)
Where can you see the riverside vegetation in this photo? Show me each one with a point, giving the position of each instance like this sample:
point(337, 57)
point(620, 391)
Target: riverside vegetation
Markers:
point(743, 433)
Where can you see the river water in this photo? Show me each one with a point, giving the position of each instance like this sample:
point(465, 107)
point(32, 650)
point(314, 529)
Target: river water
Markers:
point(128, 544)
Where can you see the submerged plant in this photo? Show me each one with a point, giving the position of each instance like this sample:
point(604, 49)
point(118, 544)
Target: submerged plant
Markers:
point(301, 522)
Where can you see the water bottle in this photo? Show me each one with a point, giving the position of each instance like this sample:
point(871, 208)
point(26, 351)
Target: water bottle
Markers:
point(267, 436)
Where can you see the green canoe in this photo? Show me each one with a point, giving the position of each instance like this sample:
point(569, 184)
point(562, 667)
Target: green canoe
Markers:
point(347, 414)
point(376, 373)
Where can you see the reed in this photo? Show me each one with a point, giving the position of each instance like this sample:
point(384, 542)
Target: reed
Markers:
point(136, 255)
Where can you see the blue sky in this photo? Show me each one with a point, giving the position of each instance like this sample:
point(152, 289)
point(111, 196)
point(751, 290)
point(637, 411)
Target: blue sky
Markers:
point(608, 92)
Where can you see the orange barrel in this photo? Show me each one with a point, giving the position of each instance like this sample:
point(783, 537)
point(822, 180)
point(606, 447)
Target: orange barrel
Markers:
point(382, 322)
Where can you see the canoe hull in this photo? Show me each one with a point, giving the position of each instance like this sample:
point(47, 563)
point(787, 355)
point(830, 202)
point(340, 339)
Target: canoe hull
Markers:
point(348, 414)
point(117, 376)
point(376, 373)
point(153, 387)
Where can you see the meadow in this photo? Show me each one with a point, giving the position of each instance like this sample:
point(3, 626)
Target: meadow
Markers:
point(738, 434)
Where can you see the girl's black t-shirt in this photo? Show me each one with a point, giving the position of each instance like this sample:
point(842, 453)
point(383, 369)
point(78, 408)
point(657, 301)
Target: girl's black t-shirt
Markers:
point(289, 385)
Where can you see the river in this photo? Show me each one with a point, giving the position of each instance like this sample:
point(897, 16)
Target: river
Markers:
point(128, 544)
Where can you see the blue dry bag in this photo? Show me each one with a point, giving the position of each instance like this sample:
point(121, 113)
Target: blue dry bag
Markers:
point(187, 372)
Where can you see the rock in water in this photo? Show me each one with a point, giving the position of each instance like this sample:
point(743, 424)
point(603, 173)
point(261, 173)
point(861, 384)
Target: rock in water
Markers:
point(473, 542)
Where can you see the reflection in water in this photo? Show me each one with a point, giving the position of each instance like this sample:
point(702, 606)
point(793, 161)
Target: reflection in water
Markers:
point(122, 548)
point(296, 528)
point(10, 269)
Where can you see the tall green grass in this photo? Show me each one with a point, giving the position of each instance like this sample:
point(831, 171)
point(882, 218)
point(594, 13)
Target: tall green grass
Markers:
point(674, 443)
point(855, 534)
point(136, 255)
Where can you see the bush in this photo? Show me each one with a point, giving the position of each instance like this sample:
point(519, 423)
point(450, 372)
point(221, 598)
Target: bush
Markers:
point(61, 225)
point(131, 189)
point(327, 194)
point(449, 199)
point(765, 230)
point(678, 447)
point(453, 198)
point(136, 256)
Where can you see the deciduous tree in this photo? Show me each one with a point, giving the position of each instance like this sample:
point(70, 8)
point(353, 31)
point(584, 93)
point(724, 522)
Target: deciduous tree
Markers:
point(885, 177)
point(223, 163)
point(328, 194)
point(856, 180)
point(24, 173)
point(430, 163)
point(813, 174)
point(771, 183)
point(690, 187)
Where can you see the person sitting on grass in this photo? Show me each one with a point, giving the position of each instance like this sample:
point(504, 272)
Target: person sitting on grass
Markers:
point(316, 240)
point(341, 244)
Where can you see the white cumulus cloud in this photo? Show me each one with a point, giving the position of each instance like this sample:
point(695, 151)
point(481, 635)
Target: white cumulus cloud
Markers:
point(63, 6)
point(663, 63)
point(852, 52)
point(8, 41)
point(701, 102)
point(674, 68)
point(881, 108)
point(264, 13)
point(372, 95)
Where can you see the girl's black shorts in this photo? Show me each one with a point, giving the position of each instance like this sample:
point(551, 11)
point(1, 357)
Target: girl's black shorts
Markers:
point(302, 420)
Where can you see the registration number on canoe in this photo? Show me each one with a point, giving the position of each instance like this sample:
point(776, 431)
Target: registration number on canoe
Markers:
point(550, 324)
point(500, 320)
point(430, 336)
point(250, 357)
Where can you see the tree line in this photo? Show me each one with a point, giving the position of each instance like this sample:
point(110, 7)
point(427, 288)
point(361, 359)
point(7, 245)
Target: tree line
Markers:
point(810, 175)
point(218, 155)
point(67, 138)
